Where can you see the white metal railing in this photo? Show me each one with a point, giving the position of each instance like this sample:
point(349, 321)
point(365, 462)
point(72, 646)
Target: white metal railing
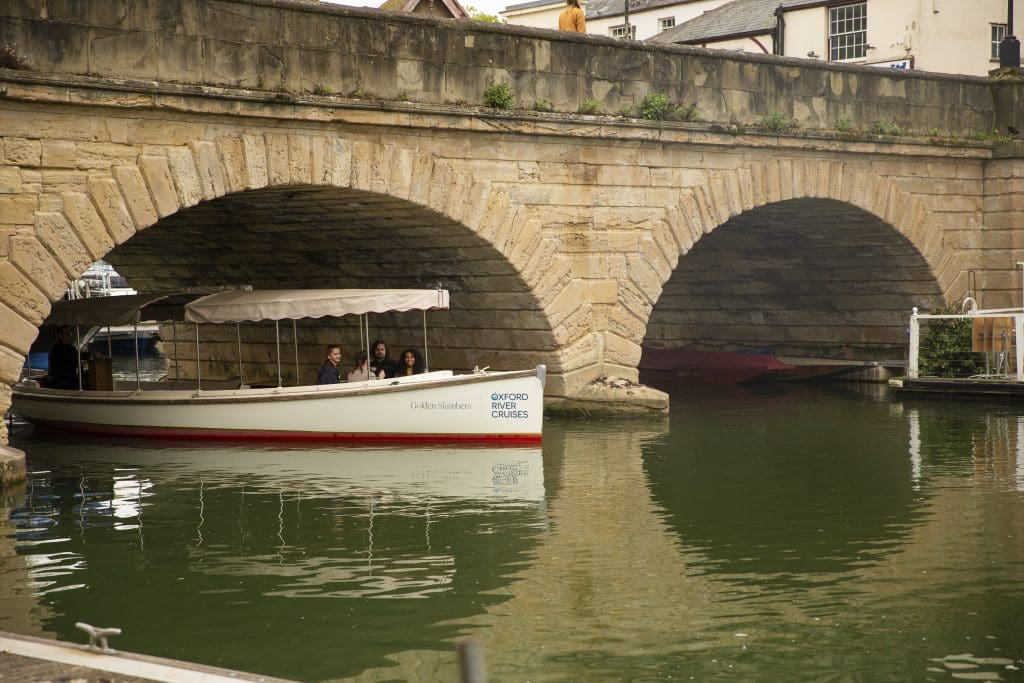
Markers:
point(1009, 342)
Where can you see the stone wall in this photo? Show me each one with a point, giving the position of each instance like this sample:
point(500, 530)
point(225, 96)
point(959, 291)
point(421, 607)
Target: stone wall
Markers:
point(1000, 281)
point(293, 47)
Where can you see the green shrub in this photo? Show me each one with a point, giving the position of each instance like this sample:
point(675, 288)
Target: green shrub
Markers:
point(945, 347)
point(322, 89)
point(994, 136)
point(543, 105)
point(627, 112)
point(885, 128)
point(688, 114)
point(844, 125)
point(656, 106)
point(590, 107)
point(499, 96)
point(777, 121)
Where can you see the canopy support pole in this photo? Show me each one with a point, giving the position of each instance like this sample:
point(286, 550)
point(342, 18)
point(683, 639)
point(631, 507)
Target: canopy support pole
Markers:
point(78, 354)
point(135, 337)
point(110, 349)
point(277, 337)
point(369, 353)
point(199, 367)
point(426, 352)
point(174, 341)
point(295, 339)
point(238, 340)
point(362, 342)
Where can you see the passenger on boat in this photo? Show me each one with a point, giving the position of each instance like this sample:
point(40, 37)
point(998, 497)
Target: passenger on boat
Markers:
point(62, 368)
point(412, 363)
point(328, 372)
point(361, 370)
point(381, 363)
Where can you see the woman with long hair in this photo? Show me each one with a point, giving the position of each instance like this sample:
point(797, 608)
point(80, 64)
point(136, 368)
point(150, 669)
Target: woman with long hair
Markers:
point(360, 372)
point(572, 18)
point(410, 362)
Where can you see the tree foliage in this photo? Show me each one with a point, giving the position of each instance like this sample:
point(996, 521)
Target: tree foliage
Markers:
point(945, 349)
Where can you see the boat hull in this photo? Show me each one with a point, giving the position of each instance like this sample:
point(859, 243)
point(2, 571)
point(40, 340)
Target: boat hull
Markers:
point(501, 406)
point(715, 367)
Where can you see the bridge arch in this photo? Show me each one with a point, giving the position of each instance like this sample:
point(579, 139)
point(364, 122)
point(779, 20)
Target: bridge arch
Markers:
point(811, 258)
point(469, 237)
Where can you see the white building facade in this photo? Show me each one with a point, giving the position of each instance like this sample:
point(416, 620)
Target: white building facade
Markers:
point(949, 36)
point(608, 17)
point(647, 18)
point(538, 13)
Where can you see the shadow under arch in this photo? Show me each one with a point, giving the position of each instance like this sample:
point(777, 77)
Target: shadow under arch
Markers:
point(811, 277)
point(293, 237)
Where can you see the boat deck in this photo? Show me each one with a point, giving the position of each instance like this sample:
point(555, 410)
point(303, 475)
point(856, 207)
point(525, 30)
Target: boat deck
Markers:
point(26, 658)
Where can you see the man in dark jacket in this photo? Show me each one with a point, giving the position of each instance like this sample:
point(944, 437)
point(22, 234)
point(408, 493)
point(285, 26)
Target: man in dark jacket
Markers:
point(381, 366)
point(62, 364)
point(328, 372)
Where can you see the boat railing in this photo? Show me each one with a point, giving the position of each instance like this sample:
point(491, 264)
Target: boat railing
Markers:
point(986, 344)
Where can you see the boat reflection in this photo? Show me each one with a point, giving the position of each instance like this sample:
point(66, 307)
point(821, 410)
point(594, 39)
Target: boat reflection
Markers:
point(322, 538)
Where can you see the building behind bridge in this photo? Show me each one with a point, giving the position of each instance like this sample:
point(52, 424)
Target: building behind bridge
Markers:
point(937, 36)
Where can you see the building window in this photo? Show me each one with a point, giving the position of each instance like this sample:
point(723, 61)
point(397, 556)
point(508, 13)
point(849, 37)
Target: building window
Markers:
point(998, 33)
point(847, 32)
point(666, 23)
point(620, 31)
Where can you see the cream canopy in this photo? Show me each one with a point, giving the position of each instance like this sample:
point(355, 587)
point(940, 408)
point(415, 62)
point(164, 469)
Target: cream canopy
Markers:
point(291, 304)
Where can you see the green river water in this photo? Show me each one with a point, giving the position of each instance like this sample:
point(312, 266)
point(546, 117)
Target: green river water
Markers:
point(777, 534)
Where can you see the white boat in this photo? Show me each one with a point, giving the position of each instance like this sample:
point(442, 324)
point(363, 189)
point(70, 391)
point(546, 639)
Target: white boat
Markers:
point(435, 405)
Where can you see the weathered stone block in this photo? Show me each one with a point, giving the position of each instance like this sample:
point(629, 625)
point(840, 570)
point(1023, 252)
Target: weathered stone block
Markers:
point(59, 154)
point(157, 173)
point(23, 152)
point(18, 209)
point(87, 224)
point(53, 230)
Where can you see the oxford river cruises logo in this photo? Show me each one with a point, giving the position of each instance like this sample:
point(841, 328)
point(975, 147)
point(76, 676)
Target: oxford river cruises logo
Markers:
point(506, 406)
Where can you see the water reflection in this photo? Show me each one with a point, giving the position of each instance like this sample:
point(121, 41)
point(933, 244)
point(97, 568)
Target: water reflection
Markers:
point(217, 549)
point(779, 534)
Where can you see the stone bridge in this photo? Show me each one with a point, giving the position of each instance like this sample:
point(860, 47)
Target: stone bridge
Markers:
point(281, 143)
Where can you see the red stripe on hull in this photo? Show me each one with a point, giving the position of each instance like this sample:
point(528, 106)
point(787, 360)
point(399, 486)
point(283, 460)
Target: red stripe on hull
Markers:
point(245, 435)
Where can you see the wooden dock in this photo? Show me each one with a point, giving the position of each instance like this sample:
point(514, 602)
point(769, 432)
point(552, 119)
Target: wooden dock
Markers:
point(996, 388)
point(26, 658)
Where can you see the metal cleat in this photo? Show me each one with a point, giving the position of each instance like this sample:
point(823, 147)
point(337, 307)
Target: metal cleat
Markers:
point(101, 634)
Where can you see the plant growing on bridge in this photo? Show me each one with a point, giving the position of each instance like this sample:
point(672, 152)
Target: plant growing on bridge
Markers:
point(322, 89)
point(885, 128)
point(843, 125)
point(688, 114)
point(590, 107)
point(543, 105)
point(946, 347)
point(656, 106)
point(777, 121)
point(499, 96)
point(993, 136)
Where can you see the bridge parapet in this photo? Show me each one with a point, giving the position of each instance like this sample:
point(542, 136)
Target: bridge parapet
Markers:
point(294, 46)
